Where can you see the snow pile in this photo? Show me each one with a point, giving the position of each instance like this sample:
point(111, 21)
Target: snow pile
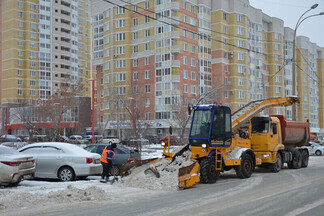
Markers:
point(168, 171)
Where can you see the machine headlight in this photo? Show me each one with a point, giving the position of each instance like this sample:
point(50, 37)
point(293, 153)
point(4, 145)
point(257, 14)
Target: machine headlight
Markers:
point(162, 143)
point(204, 145)
point(266, 155)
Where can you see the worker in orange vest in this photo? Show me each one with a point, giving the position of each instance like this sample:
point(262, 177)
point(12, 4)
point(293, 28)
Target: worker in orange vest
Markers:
point(106, 161)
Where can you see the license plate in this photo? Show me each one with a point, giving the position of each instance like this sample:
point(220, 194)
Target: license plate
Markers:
point(29, 176)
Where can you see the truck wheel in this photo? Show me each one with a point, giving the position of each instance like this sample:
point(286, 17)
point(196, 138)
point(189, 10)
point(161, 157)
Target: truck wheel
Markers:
point(208, 172)
point(318, 153)
point(276, 167)
point(296, 161)
point(305, 157)
point(246, 168)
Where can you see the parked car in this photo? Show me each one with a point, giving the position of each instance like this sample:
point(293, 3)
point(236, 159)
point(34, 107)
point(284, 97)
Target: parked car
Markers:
point(110, 139)
point(14, 145)
point(64, 161)
point(9, 138)
point(15, 166)
point(97, 138)
point(77, 139)
point(153, 139)
point(315, 148)
point(123, 155)
point(173, 140)
point(135, 142)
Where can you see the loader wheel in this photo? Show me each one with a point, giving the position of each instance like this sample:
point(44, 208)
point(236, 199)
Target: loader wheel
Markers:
point(246, 168)
point(276, 167)
point(305, 157)
point(296, 161)
point(208, 172)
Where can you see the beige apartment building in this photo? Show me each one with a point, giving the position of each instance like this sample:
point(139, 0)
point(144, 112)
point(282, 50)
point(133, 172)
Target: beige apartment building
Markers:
point(153, 58)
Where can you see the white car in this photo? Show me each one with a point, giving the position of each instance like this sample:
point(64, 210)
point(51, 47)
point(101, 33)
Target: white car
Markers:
point(315, 148)
point(110, 140)
point(15, 166)
point(77, 139)
point(64, 161)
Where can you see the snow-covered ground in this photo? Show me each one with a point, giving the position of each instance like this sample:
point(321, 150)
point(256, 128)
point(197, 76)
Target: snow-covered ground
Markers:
point(32, 197)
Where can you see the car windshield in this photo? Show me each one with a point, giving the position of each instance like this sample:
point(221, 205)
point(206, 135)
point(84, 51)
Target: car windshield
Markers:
point(7, 151)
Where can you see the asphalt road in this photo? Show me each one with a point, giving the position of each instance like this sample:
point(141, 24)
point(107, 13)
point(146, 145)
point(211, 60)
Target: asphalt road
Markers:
point(289, 192)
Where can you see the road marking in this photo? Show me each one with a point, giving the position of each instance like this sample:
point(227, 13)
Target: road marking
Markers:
point(306, 208)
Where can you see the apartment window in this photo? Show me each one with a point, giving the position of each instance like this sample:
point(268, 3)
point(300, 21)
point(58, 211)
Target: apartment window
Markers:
point(120, 37)
point(135, 35)
point(185, 60)
point(121, 90)
point(33, 73)
point(277, 79)
point(32, 16)
point(107, 65)
point(19, 72)
point(184, 18)
point(107, 78)
point(225, 29)
point(276, 36)
point(135, 76)
point(240, 68)
point(147, 19)
point(277, 46)
point(193, 90)
point(135, 62)
point(239, 30)
point(192, 35)
point(240, 94)
point(277, 68)
point(19, 91)
point(20, 43)
point(185, 74)
point(19, 62)
point(120, 50)
point(240, 81)
point(185, 88)
point(146, 5)
point(225, 16)
point(107, 13)
point(147, 88)
point(147, 116)
point(20, 14)
point(32, 93)
point(185, 46)
point(20, 34)
point(147, 102)
point(20, 82)
point(147, 32)
point(120, 77)
point(135, 21)
point(106, 91)
point(32, 83)
point(184, 4)
point(278, 89)
point(239, 17)
point(20, 4)
point(277, 57)
point(135, 49)
point(147, 74)
point(192, 21)
point(193, 75)
point(120, 63)
point(184, 33)
point(120, 10)
point(193, 62)
point(240, 56)
point(193, 48)
point(240, 43)
point(147, 46)
point(147, 60)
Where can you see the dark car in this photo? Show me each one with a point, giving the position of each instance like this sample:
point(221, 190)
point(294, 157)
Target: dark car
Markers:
point(123, 155)
point(153, 139)
point(173, 140)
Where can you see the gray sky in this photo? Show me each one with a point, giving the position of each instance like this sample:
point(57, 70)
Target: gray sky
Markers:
point(290, 11)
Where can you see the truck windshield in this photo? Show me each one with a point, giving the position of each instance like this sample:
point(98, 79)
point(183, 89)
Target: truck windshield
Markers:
point(201, 123)
point(260, 127)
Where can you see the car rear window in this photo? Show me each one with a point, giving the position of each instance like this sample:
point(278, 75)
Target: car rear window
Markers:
point(7, 151)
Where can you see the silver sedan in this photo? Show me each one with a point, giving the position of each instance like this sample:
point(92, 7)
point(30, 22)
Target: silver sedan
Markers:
point(64, 161)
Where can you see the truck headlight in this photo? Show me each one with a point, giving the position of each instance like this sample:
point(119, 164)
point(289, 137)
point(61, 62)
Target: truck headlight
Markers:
point(162, 143)
point(204, 145)
point(266, 155)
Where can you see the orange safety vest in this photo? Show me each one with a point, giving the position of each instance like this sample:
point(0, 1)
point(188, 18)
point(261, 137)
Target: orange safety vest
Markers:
point(107, 155)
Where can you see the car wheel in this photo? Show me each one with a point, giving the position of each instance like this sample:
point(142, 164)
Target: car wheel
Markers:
point(318, 153)
point(116, 170)
point(66, 174)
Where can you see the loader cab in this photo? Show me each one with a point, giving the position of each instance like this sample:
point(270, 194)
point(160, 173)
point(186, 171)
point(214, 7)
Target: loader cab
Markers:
point(212, 125)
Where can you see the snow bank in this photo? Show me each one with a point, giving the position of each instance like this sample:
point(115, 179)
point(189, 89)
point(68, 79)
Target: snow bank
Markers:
point(168, 174)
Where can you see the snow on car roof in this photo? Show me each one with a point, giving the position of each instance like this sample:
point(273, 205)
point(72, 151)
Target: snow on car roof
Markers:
point(70, 148)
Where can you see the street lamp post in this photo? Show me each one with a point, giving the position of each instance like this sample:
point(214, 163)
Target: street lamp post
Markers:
point(92, 102)
point(300, 20)
point(59, 139)
point(133, 119)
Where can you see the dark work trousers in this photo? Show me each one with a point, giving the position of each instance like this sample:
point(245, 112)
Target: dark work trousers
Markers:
point(106, 170)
